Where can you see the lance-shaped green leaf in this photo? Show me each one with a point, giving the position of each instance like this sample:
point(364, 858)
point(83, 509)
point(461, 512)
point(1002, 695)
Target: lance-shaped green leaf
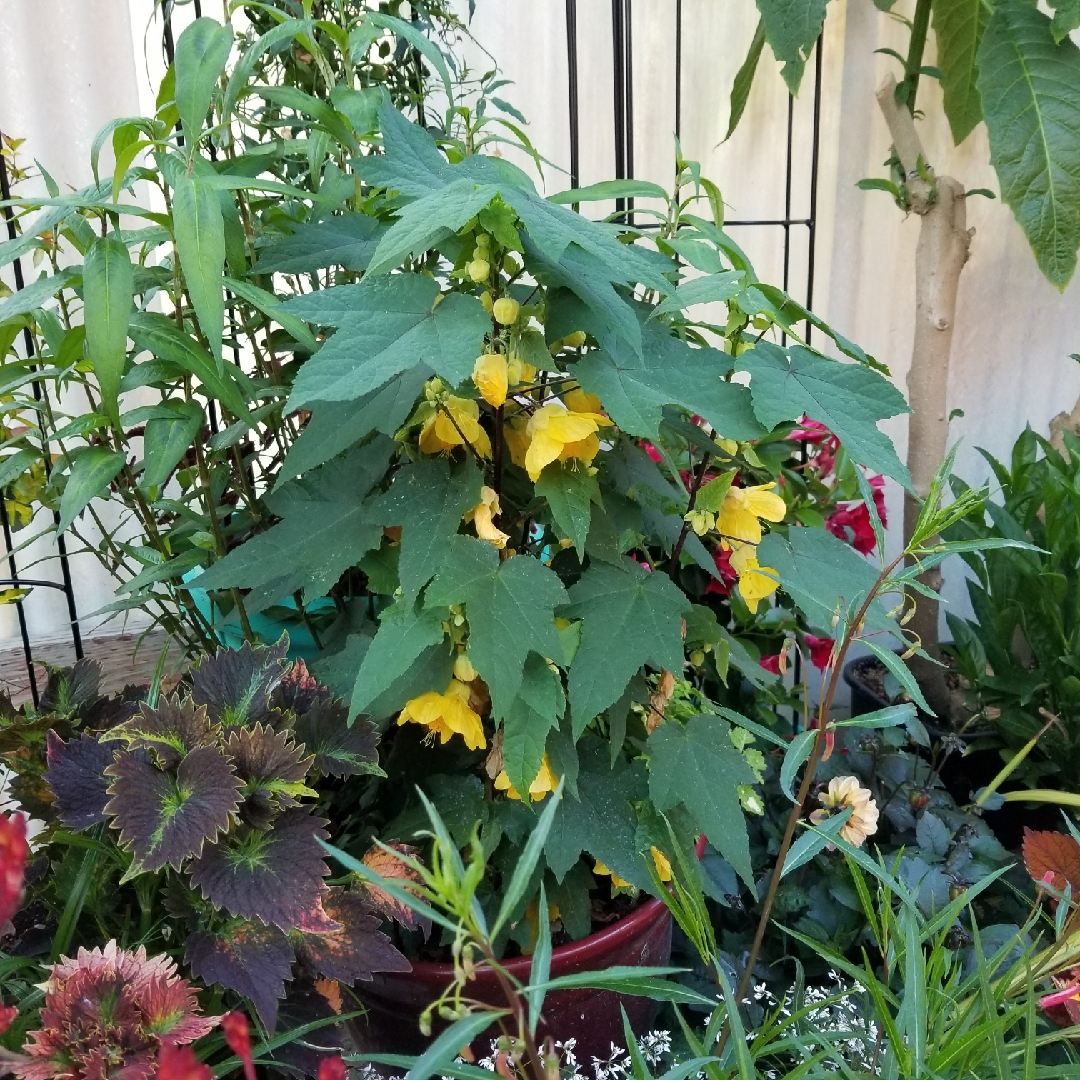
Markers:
point(347, 240)
point(791, 28)
point(167, 439)
point(35, 294)
point(707, 289)
point(427, 499)
point(324, 529)
point(201, 52)
point(958, 28)
point(93, 469)
point(405, 631)
point(199, 229)
point(165, 818)
point(744, 80)
point(108, 284)
point(1030, 87)
point(510, 606)
point(634, 388)
point(570, 490)
point(387, 325)
point(849, 399)
point(698, 766)
point(537, 709)
point(273, 308)
point(628, 604)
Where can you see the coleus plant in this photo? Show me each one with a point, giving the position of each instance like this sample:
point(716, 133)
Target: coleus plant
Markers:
point(217, 786)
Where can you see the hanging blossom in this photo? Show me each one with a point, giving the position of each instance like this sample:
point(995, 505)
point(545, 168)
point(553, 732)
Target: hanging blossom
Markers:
point(744, 509)
point(842, 792)
point(660, 861)
point(557, 431)
point(446, 715)
point(454, 422)
point(546, 782)
point(483, 518)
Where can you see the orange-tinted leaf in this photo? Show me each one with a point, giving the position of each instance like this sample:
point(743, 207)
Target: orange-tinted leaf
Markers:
point(387, 866)
point(1056, 853)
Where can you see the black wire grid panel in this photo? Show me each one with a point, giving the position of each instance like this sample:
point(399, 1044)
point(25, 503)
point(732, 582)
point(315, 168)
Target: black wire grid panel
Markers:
point(622, 28)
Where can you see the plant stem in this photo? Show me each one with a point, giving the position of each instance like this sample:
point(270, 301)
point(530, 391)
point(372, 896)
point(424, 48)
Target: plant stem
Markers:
point(919, 27)
point(676, 551)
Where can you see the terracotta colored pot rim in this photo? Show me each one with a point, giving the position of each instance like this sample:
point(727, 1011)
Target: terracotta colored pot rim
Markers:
point(562, 955)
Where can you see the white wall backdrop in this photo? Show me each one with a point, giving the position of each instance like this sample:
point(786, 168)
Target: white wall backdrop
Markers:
point(68, 66)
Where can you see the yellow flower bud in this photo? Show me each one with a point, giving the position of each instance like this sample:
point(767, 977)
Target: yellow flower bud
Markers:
point(463, 669)
point(438, 301)
point(510, 266)
point(576, 339)
point(486, 301)
point(506, 310)
point(483, 240)
point(478, 270)
point(491, 376)
point(697, 658)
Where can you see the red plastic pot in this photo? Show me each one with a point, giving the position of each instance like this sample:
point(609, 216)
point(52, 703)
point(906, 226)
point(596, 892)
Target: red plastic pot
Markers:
point(394, 1001)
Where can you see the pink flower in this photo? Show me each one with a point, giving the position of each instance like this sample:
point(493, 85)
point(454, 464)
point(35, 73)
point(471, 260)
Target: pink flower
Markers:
point(771, 663)
point(727, 573)
point(856, 518)
point(820, 650)
point(651, 451)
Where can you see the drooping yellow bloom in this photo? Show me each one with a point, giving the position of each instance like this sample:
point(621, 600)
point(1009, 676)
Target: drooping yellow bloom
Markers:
point(532, 916)
point(756, 582)
point(491, 378)
point(557, 433)
point(546, 781)
point(518, 371)
point(845, 791)
point(660, 861)
point(482, 516)
point(516, 439)
point(743, 507)
point(455, 421)
point(446, 715)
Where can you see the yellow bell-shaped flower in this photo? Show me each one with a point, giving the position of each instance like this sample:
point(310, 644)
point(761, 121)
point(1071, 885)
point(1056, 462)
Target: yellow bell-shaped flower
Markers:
point(491, 376)
point(546, 781)
point(482, 516)
point(740, 514)
point(557, 433)
point(455, 422)
point(446, 715)
point(756, 583)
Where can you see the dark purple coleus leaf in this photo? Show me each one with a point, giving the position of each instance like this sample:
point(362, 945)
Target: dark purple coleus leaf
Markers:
point(261, 755)
point(70, 689)
point(76, 776)
point(354, 951)
point(252, 959)
point(339, 750)
point(298, 690)
point(171, 731)
point(273, 874)
point(235, 686)
point(308, 1002)
point(165, 818)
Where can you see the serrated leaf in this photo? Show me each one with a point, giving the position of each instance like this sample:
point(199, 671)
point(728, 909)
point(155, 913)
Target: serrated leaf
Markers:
point(389, 866)
point(167, 439)
point(164, 819)
point(744, 80)
point(791, 28)
point(510, 606)
point(199, 229)
point(348, 240)
point(570, 491)
point(1066, 18)
point(698, 766)
point(254, 960)
point(70, 690)
point(1052, 853)
point(108, 288)
point(634, 387)
point(958, 27)
point(236, 684)
point(275, 875)
point(201, 52)
point(171, 730)
point(405, 631)
point(537, 709)
point(324, 529)
point(93, 469)
point(262, 755)
point(357, 948)
point(1030, 88)
point(76, 776)
point(642, 611)
point(387, 325)
point(412, 163)
point(339, 749)
point(849, 399)
point(427, 499)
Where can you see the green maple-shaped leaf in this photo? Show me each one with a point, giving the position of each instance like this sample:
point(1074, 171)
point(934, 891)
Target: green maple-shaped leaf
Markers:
point(236, 684)
point(631, 616)
point(570, 490)
point(250, 958)
point(355, 947)
point(698, 766)
point(634, 387)
point(849, 399)
point(791, 28)
point(338, 747)
point(386, 326)
point(537, 709)
point(427, 499)
point(347, 240)
point(171, 730)
point(165, 817)
point(510, 606)
point(324, 529)
point(273, 874)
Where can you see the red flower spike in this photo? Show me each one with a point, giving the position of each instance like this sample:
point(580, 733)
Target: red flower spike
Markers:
point(331, 1068)
point(13, 852)
point(237, 1035)
point(7, 1014)
point(771, 663)
point(180, 1063)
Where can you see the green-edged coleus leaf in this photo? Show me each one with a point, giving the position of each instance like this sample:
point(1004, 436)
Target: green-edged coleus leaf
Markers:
point(169, 731)
point(250, 958)
point(355, 947)
point(510, 605)
point(76, 776)
point(338, 748)
point(70, 689)
point(698, 766)
point(639, 610)
point(236, 684)
point(271, 874)
point(272, 768)
point(165, 817)
point(535, 710)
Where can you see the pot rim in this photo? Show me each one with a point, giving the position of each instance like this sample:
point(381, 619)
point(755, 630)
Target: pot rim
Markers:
point(567, 954)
